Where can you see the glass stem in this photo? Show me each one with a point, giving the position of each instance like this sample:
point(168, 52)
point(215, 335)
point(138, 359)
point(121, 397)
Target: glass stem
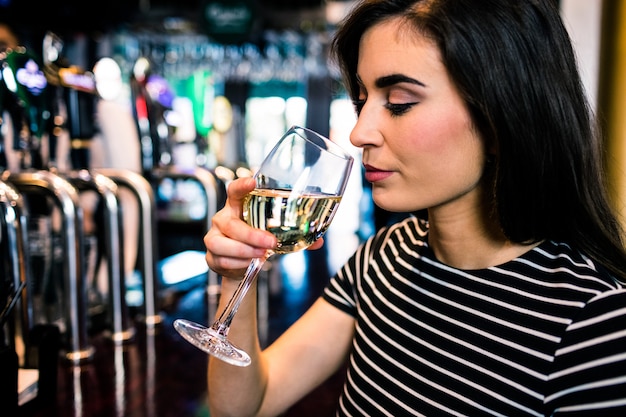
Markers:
point(222, 324)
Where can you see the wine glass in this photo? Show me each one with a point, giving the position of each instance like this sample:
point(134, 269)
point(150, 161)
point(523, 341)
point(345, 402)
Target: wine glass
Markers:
point(298, 189)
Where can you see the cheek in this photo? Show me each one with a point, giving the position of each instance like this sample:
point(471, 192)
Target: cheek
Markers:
point(450, 132)
point(438, 137)
point(445, 147)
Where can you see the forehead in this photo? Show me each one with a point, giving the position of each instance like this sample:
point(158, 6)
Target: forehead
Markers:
point(395, 46)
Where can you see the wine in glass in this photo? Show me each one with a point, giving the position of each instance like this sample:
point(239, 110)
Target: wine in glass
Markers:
point(298, 189)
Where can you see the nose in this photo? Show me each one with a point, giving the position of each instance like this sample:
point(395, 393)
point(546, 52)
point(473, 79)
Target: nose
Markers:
point(365, 131)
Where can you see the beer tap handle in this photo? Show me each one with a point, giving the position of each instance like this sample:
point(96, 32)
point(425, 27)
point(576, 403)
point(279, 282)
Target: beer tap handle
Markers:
point(78, 90)
point(24, 78)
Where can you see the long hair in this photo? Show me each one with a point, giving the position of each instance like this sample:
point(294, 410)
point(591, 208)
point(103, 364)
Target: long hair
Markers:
point(515, 68)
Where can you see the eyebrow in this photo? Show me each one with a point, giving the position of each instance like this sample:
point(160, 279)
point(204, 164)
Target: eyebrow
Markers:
point(393, 79)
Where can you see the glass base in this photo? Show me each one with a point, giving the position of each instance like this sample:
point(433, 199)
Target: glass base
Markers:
point(211, 342)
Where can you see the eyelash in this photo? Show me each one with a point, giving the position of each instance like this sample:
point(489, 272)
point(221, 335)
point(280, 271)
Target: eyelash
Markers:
point(394, 109)
point(358, 105)
point(399, 109)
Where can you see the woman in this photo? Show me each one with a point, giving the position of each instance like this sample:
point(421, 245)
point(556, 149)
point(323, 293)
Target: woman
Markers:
point(505, 294)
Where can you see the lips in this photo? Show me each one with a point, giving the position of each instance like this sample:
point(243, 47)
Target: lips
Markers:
point(373, 174)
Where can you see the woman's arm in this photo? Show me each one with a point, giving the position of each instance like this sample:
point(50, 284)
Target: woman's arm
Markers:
point(309, 352)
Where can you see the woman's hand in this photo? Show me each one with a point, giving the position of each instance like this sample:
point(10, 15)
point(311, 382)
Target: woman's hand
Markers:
point(231, 242)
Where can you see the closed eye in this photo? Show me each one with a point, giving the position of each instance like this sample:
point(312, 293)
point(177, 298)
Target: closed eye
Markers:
point(399, 109)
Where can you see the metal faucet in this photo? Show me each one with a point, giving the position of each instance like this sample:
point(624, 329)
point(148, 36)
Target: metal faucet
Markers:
point(65, 197)
point(84, 180)
point(146, 246)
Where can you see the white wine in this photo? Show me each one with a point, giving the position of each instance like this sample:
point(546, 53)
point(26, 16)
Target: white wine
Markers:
point(299, 188)
point(297, 220)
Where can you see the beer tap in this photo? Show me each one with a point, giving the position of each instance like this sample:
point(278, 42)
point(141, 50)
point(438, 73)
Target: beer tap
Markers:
point(151, 102)
point(54, 212)
point(79, 95)
point(3, 91)
point(28, 104)
point(142, 246)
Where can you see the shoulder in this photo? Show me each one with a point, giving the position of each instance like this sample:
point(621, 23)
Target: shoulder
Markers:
point(411, 230)
point(561, 263)
point(402, 240)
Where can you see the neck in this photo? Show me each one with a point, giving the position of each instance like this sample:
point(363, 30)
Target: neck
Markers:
point(467, 241)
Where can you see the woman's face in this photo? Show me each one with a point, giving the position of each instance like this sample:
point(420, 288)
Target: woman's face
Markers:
point(420, 149)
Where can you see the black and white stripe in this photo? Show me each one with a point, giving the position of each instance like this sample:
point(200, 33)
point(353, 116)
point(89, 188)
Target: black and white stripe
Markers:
point(543, 334)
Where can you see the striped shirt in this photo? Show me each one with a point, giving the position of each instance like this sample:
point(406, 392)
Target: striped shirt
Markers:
point(541, 335)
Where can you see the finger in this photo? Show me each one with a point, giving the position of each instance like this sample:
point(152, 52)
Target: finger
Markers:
point(317, 244)
point(228, 267)
point(237, 192)
point(247, 237)
point(219, 246)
